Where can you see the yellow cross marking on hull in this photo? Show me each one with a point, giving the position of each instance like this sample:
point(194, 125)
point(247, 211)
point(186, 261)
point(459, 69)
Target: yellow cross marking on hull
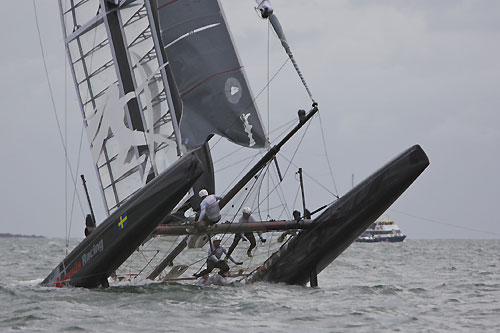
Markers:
point(122, 220)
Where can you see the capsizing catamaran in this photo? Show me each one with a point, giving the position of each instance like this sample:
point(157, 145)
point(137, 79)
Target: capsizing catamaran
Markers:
point(156, 80)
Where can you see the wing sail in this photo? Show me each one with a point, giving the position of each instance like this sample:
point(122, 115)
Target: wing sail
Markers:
point(123, 93)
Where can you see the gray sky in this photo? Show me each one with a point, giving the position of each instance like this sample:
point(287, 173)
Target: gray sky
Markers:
point(386, 74)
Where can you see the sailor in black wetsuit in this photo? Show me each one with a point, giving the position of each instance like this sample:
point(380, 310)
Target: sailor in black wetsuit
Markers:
point(89, 225)
point(214, 259)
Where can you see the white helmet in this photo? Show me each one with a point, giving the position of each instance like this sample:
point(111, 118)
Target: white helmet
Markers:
point(217, 238)
point(203, 193)
point(247, 210)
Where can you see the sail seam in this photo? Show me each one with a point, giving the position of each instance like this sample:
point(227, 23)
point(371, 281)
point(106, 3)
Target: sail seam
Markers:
point(195, 31)
point(167, 4)
point(209, 78)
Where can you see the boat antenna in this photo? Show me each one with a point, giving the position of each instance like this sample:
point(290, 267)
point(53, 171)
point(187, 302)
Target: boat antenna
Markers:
point(301, 180)
point(267, 12)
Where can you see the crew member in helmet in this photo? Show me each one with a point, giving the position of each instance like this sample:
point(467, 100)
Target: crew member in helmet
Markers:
point(246, 217)
point(209, 208)
point(214, 258)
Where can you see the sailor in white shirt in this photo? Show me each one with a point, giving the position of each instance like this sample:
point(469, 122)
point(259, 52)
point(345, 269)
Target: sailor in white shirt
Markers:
point(209, 279)
point(246, 218)
point(214, 259)
point(209, 208)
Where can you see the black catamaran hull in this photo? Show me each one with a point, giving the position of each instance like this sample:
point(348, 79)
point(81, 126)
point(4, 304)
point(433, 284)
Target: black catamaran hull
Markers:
point(114, 240)
point(311, 251)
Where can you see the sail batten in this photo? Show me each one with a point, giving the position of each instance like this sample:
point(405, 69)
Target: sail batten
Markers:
point(207, 79)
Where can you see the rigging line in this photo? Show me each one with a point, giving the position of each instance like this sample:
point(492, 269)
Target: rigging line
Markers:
point(268, 102)
point(444, 223)
point(239, 175)
point(243, 201)
point(130, 263)
point(269, 245)
point(310, 177)
point(258, 179)
point(148, 263)
point(242, 171)
point(236, 163)
point(326, 152)
point(282, 198)
point(75, 192)
point(277, 187)
point(263, 89)
point(66, 143)
point(271, 80)
point(258, 194)
point(197, 261)
point(272, 191)
point(297, 148)
point(268, 74)
point(175, 242)
point(74, 187)
point(283, 210)
point(52, 98)
point(256, 201)
point(287, 125)
point(229, 154)
point(296, 196)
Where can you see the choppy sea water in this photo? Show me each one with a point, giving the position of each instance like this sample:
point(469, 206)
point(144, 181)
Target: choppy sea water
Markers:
point(414, 286)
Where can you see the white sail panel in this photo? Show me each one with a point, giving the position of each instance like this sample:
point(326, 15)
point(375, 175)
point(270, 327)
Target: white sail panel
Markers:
point(117, 75)
point(150, 87)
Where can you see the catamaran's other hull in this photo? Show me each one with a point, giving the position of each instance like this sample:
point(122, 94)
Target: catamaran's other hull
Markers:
point(311, 251)
point(114, 240)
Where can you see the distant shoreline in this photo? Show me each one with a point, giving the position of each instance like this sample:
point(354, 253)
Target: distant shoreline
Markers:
point(19, 236)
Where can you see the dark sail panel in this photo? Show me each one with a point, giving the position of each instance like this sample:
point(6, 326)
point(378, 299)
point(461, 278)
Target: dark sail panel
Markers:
point(216, 98)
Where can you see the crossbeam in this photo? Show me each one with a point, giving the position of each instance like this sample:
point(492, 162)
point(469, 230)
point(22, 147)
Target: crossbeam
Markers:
point(233, 228)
